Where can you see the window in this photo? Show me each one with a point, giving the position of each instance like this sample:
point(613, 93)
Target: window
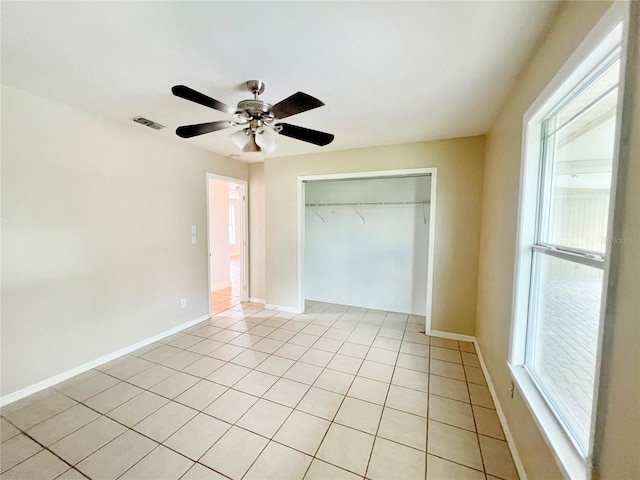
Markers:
point(566, 188)
point(577, 141)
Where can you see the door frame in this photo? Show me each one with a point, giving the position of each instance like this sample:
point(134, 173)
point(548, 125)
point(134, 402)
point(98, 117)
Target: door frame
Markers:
point(432, 171)
point(244, 221)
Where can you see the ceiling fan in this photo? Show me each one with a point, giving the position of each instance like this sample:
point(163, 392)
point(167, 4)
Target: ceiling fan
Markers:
point(259, 118)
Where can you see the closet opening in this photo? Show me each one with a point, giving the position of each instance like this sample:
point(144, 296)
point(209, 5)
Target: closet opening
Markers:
point(366, 240)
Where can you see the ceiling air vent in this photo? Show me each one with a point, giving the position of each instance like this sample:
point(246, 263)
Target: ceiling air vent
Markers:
point(148, 123)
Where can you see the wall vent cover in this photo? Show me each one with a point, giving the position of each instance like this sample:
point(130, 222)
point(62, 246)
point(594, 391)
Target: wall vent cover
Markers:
point(148, 123)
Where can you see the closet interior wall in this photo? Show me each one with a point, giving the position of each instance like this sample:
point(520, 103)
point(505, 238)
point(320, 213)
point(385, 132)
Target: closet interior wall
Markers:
point(366, 242)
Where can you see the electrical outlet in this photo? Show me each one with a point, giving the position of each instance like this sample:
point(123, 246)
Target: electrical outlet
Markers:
point(183, 302)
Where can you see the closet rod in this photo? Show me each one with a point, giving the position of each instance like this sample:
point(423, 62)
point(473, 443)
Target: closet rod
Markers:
point(364, 204)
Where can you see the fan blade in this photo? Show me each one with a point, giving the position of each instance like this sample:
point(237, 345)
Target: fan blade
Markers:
point(297, 103)
point(305, 134)
point(197, 97)
point(188, 131)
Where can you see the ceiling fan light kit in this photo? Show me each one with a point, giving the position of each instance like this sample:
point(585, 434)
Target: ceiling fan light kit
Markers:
point(258, 117)
point(265, 137)
point(245, 141)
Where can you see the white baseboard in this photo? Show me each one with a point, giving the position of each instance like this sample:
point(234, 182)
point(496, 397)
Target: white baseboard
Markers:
point(220, 285)
point(452, 336)
point(257, 300)
point(61, 377)
point(282, 309)
point(503, 419)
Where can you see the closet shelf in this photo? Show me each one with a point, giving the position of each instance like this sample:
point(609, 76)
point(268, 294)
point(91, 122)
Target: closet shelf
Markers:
point(360, 213)
point(354, 204)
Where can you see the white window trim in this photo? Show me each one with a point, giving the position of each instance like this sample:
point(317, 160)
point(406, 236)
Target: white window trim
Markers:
point(592, 50)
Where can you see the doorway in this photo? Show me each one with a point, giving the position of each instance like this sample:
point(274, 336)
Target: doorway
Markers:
point(367, 240)
point(227, 242)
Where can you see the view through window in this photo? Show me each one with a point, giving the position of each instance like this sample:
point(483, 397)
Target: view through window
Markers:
point(578, 139)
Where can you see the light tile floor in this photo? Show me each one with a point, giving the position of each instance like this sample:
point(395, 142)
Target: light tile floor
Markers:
point(337, 392)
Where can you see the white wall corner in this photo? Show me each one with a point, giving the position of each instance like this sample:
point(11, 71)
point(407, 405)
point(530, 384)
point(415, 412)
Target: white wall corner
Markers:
point(49, 382)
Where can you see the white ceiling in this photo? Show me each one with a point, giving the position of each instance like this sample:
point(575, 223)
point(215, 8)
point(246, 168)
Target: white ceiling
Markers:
point(388, 72)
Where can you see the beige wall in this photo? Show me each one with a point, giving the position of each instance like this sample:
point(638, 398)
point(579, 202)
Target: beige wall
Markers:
point(256, 231)
point(96, 239)
point(497, 253)
point(459, 193)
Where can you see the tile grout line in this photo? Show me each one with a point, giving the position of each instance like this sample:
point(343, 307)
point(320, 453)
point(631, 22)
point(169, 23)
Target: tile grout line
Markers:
point(326, 367)
point(344, 395)
point(332, 421)
point(312, 385)
point(174, 400)
point(184, 349)
point(292, 410)
point(426, 447)
point(314, 457)
point(127, 428)
point(335, 353)
point(455, 426)
point(474, 419)
point(43, 448)
point(385, 402)
point(125, 380)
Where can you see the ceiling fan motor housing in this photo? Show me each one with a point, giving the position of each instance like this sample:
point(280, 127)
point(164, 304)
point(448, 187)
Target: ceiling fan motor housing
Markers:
point(254, 108)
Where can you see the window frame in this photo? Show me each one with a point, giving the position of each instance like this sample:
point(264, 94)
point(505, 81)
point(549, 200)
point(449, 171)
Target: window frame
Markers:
point(598, 45)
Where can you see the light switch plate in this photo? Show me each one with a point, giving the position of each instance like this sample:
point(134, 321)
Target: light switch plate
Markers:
point(193, 229)
point(193, 239)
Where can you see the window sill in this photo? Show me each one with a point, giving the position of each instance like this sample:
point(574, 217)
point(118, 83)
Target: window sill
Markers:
point(569, 459)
